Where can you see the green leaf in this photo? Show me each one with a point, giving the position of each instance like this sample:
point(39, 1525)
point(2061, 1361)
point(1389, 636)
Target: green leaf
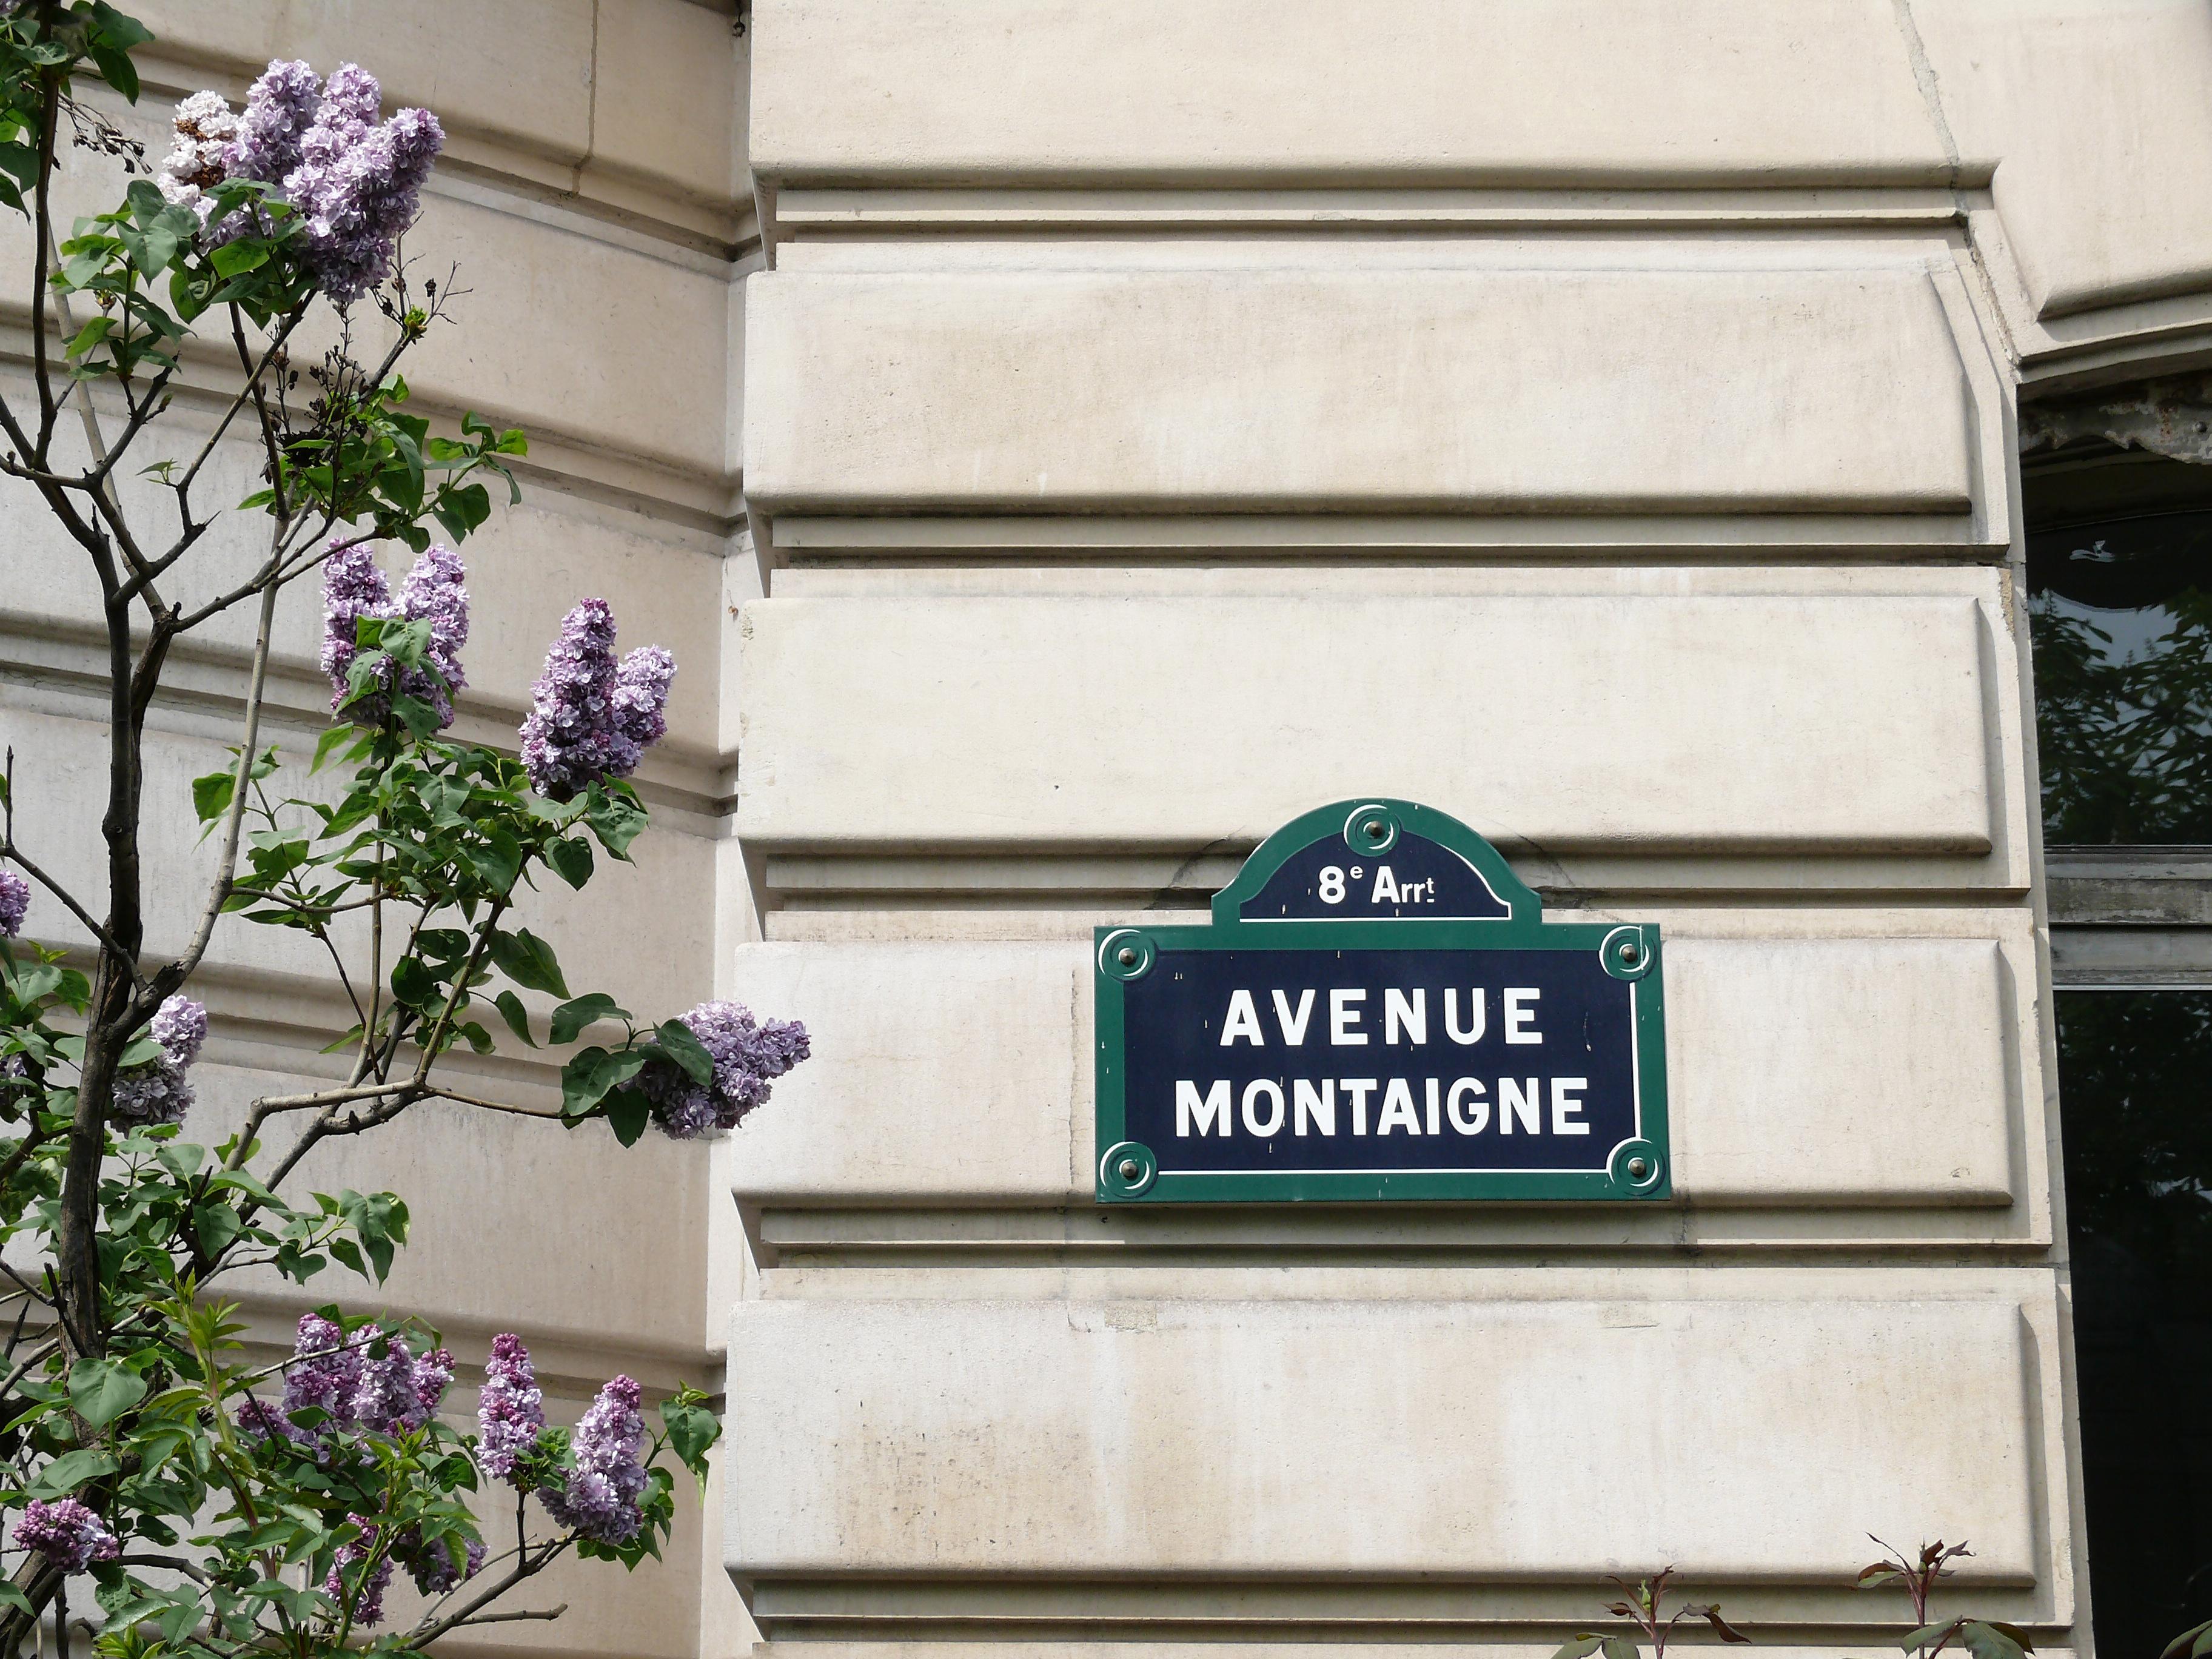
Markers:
point(1579, 1647)
point(211, 794)
point(412, 983)
point(691, 1431)
point(571, 859)
point(586, 1079)
point(2188, 1644)
point(13, 1597)
point(1931, 1636)
point(528, 961)
point(331, 739)
point(628, 1113)
point(516, 1016)
point(236, 258)
point(1986, 1639)
point(70, 1471)
point(570, 1018)
point(101, 1390)
point(679, 1044)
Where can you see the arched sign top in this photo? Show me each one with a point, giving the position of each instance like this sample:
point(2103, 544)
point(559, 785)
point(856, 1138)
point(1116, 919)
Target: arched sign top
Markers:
point(1376, 858)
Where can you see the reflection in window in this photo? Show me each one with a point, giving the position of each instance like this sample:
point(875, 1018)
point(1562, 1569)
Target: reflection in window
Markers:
point(2133, 1070)
point(2122, 623)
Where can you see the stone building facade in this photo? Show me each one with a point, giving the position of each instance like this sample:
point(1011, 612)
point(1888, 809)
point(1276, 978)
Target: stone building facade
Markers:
point(1064, 441)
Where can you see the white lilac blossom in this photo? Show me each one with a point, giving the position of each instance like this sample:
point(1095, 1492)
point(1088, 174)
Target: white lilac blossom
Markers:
point(354, 587)
point(158, 1091)
point(749, 1055)
point(15, 902)
point(70, 1535)
point(599, 1499)
point(369, 1588)
point(511, 1410)
point(199, 160)
point(591, 719)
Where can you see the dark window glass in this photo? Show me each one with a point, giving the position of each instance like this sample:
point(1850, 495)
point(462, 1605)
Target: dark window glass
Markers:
point(2135, 1071)
point(2119, 576)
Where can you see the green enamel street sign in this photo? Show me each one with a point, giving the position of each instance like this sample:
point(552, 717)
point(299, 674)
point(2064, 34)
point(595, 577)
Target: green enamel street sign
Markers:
point(1379, 1011)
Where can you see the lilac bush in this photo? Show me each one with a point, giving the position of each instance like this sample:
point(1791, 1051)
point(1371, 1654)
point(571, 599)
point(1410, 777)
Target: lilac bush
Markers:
point(224, 1504)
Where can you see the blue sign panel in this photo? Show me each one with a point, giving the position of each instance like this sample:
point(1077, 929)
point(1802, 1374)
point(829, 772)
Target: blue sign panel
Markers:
point(1332, 1036)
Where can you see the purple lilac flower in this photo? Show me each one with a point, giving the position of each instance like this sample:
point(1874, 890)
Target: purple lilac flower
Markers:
point(359, 183)
point(511, 1410)
point(433, 593)
point(590, 719)
point(181, 1025)
point(370, 1588)
point(432, 1569)
point(748, 1056)
point(155, 1093)
point(279, 106)
point(325, 1370)
point(14, 902)
point(199, 159)
point(158, 1091)
point(383, 1397)
point(600, 1498)
point(353, 588)
point(70, 1535)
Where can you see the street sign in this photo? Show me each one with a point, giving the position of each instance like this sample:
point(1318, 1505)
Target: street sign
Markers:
point(1379, 1011)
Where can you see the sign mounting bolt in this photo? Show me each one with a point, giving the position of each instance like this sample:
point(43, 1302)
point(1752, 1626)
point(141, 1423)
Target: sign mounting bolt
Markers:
point(1629, 950)
point(1130, 1169)
point(1638, 1167)
point(1126, 956)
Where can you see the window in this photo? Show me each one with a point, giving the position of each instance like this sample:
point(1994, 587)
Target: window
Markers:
point(2119, 557)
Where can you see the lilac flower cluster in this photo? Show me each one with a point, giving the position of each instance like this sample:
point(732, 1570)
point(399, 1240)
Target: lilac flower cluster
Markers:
point(749, 1055)
point(199, 160)
point(15, 902)
point(355, 588)
point(591, 718)
point(600, 1497)
point(432, 1569)
point(369, 1586)
point(365, 1381)
point(511, 1410)
point(158, 1091)
point(70, 1535)
point(357, 179)
point(279, 105)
